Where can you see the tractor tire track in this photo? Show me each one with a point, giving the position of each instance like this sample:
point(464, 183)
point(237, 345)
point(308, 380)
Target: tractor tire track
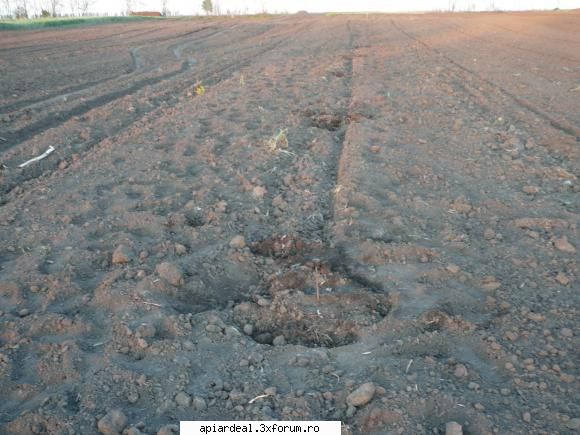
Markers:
point(39, 48)
point(136, 66)
point(25, 133)
point(165, 98)
point(562, 126)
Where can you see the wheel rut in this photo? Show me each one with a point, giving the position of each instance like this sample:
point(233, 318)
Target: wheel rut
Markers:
point(166, 98)
point(137, 66)
point(14, 138)
point(562, 126)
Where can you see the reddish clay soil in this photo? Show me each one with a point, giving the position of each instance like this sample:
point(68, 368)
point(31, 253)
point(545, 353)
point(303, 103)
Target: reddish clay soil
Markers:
point(390, 199)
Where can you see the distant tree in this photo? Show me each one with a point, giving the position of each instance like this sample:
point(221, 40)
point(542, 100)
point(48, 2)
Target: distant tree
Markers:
point(6, 8)
point(55, 7)
point(21, 10)
point(80, 7)
point(207, 6)
point(85, 6)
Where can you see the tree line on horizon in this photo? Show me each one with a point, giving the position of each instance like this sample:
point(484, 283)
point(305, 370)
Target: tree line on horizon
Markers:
point(23, 9)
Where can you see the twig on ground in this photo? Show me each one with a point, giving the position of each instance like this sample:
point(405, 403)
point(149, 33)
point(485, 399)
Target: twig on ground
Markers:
point(261, 396)
point(290, 153)
point(316, 277)
point(48, 152)
point(153, 304)
point(409, 366)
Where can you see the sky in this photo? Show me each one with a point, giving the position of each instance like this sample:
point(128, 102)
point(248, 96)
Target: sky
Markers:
point(194, 6)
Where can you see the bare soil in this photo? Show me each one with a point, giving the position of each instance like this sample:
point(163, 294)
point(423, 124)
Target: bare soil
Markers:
point(290, 208)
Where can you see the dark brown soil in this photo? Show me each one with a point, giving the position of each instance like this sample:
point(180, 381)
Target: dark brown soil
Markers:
point(297, 206)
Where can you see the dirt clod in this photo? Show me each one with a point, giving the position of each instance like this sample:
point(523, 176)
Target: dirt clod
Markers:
point(170, 273)
point(238, 242)
point(259, 192)
point(180, 249)
point(199, 403)
point(562, 244)
point(562, 278)
point(531, 190)
point(183, 399)
point(362, 395)
point(453, 428)
point(460, 371)
point(122, 255)
point(112, 423)
point(168, 429)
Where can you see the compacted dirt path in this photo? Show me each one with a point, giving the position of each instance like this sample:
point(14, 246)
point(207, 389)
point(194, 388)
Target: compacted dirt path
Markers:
point(371, 219)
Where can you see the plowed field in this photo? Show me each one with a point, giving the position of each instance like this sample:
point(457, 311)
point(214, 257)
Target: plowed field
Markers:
point(250, 218)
